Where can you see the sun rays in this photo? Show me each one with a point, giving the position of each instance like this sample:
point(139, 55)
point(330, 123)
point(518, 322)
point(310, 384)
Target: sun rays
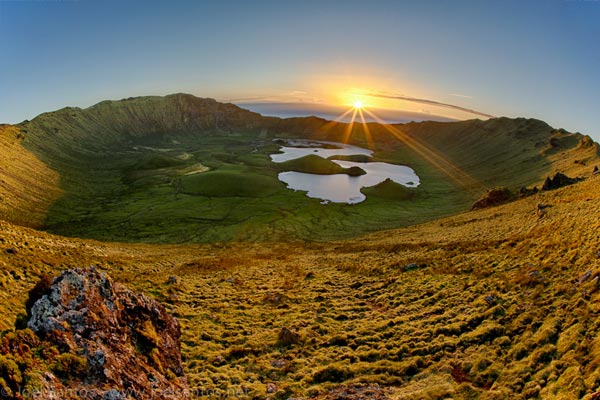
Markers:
point(357, 112)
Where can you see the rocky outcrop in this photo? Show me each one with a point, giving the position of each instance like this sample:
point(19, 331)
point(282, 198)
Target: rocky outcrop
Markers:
point(493, 197)
point(110, 343)
point(557, 181)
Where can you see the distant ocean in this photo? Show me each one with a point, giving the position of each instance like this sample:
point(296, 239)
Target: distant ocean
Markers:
point(289, 110)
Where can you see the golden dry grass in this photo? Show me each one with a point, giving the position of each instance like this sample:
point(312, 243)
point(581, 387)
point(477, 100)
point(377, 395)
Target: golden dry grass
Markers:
point(499, 303)
point(27, 185)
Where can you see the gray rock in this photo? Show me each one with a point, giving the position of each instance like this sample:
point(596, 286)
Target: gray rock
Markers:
point(490, 299)
point(116, 330)
point(97, 359)
point(585, 276)
point(412, 267)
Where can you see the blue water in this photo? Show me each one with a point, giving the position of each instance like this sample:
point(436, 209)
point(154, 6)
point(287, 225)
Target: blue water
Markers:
point(339, 188)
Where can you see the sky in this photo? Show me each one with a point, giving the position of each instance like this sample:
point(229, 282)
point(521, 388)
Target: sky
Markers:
point(454, 59)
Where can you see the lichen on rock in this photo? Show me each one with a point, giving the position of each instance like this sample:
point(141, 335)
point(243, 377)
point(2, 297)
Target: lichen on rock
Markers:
point(111, 343)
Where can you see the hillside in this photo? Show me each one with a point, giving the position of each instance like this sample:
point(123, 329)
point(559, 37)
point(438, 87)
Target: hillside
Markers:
point(495, 303)
point(500, 151)
point(28, 187)
point(125, 167)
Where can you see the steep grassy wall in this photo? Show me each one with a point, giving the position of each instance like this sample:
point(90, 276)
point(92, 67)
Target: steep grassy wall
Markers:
point(27, 185)
point(500, 151)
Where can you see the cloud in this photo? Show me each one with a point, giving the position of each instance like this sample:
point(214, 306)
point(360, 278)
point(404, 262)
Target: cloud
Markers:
point(293, 96)
point(464, 96)
point(250, 99)
point(430, 102)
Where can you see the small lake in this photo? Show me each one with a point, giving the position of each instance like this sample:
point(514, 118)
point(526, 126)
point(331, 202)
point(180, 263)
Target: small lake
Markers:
point(339, 188)
point(297, 148)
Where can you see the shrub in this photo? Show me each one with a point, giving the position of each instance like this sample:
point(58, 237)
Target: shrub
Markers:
point(543, 355)
point(38, 291)
point(148, 334)
point(485, 332)
point(518, 351)
point(66, 365)
point(9, 371)
point(332, 373)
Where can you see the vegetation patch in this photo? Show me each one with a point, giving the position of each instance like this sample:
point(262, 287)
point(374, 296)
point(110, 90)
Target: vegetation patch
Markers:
point(363, 158)
point(157, 161)
point(313, 164)
point(230, 184)
point(68, 365)
point(390, 190)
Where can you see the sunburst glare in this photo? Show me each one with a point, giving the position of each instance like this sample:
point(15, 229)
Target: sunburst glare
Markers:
point(358, 110)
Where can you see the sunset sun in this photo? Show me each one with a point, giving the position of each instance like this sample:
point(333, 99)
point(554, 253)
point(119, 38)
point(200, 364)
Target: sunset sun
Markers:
point(358, 104)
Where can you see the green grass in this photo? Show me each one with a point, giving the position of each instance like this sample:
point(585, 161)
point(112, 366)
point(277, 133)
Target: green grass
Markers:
point(313, 164)
point(230, 184)
point(353, 157)
point(124, 179)
point(126, 195)
point(157, 161)
point(391, 190)
point(235, 200)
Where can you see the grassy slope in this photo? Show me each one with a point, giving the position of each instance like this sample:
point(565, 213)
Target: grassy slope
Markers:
point(502, 307)
point(499, 151)
point(122, 168)
point(27, 186)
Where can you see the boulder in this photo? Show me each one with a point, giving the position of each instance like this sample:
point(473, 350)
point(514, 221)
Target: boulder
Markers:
point(412, 267)
point(112, 343)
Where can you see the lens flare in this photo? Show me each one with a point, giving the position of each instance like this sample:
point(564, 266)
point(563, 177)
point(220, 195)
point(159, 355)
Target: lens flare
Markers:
point(357, 115)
